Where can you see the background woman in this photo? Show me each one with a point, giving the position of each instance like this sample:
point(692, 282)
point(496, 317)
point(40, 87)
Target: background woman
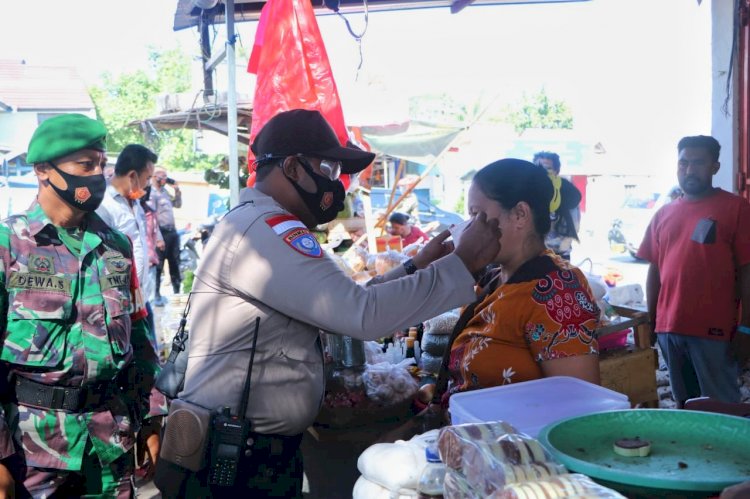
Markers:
point(400, 226)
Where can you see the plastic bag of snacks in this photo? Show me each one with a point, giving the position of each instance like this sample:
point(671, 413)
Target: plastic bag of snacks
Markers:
point(412, 249)
point(356, 258)
point(342, 265)
point(566, 486)
point(430, 363)
point(491, 455)
point(363, 277)
point(389, 384)
point(442, 324)
point(493, 460)
point(388, 260)
point(374, 352)
point(434, 344)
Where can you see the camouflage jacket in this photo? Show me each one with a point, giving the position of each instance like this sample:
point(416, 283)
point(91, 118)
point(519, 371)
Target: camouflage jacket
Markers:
point(69, 320)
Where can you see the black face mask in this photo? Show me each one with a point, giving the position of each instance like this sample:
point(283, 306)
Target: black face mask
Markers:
point(84, 193)
point(148, 193)
point(327, 201)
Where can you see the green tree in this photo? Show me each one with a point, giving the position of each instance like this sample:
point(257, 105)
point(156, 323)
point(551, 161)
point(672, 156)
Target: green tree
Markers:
point(132, 96)
point(539, 111)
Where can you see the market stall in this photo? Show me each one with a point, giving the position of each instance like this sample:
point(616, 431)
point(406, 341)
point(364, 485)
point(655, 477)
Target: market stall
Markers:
point(373, 388)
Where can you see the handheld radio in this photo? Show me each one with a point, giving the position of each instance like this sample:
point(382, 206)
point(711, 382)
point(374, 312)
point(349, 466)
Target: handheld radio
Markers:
point(229, 433)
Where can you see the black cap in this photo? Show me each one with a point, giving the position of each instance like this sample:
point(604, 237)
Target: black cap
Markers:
point(300, 131)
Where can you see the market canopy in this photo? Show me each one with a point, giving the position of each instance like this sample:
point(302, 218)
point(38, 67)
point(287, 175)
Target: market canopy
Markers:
point(420, 142)
point(210, 117)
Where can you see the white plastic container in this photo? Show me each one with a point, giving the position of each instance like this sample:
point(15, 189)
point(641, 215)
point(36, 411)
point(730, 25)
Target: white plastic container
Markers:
point(532, 405)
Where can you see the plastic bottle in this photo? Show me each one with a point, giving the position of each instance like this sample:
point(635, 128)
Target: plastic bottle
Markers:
point(430, 485)
point(410, 354)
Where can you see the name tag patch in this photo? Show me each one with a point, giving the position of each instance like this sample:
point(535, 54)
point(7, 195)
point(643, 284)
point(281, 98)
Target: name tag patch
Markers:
point(39, 282)
point(302, 241)
point(114, 281)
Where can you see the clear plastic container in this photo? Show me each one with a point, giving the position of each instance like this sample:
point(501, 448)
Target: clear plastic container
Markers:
point(430, 485)
point(531, 405)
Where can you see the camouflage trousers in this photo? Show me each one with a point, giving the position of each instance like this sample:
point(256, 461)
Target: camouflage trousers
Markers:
point(93, 480)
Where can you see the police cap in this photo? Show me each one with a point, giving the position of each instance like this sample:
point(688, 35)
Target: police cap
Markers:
point(300, 131)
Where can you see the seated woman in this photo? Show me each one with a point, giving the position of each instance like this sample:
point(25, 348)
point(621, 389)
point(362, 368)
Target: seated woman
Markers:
point(400, 226)
point(535, 316)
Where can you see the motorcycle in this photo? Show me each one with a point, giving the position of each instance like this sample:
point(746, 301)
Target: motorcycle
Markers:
point(188, 252)
point(617, 241)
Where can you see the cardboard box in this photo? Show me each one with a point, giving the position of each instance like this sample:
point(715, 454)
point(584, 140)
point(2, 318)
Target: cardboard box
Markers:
point(632, 372)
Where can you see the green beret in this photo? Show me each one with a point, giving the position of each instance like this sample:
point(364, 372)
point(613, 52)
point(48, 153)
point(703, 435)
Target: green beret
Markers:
point(63, 135)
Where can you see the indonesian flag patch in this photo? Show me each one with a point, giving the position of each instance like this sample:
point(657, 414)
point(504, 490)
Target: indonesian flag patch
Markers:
point(296, 235)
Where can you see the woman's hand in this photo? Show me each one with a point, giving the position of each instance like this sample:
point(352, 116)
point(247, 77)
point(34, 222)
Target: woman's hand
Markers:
point(435, 249)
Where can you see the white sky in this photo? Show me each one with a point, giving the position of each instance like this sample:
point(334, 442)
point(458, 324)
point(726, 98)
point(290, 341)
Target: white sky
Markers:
point(635, 71)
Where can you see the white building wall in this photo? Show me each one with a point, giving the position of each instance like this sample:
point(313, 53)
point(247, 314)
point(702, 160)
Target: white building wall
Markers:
point(16, 129)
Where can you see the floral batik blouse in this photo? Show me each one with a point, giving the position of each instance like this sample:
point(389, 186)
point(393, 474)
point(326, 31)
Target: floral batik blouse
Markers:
point(545, 311)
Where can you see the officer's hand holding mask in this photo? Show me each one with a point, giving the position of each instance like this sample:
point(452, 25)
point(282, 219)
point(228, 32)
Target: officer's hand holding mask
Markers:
point(479, 243)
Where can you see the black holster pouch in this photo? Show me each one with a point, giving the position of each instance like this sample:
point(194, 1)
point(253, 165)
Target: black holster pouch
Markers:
point(176, 482)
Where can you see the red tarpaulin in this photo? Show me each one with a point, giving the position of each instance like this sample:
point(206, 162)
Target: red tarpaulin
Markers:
point(292, 69)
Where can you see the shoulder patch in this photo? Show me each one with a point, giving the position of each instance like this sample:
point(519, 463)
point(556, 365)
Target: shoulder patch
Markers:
point(284, 223)
point(303, 242)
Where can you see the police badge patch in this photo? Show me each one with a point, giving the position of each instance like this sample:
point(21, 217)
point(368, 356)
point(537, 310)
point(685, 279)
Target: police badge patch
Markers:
point(303, 242)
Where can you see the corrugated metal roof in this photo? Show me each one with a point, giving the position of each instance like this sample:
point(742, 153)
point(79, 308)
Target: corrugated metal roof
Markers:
point(26, 87)
point(187, 15)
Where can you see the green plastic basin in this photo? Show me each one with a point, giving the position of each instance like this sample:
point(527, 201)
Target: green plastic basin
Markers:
point(691, 451)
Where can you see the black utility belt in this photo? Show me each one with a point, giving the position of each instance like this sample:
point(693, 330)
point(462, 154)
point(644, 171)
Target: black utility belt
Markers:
point(167, 229)
point(88, 398)
point(275, 445)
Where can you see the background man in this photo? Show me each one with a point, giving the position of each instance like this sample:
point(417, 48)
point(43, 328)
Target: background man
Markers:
point(74, 342)
point(121, 210)
point(164, 204)
point(565, 214)
point(698, 247)
point(262, 261)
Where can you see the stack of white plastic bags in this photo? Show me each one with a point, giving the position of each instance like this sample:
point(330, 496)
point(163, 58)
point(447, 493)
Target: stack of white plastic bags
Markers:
point(435, 339)
point(493, 460)
point(391, 471)
point(483, 460)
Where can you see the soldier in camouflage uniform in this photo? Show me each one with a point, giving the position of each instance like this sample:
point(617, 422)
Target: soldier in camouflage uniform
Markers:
point(75, 345)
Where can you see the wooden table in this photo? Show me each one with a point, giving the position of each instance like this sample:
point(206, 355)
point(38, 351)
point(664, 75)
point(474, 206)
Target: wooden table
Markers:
point(631, 370)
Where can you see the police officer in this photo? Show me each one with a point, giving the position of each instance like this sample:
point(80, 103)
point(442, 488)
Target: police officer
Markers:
point(164, 203)
point(262, 261)
point(74, 337)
